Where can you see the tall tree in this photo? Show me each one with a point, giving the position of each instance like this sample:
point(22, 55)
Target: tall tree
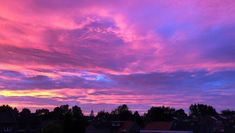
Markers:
point(137, 118)
point(77, 112)
point(103, 116)
point(202, 110)
point(160, 114)
point(42, 112)
point(5, 108)
point(180, 114)
point(122, 113)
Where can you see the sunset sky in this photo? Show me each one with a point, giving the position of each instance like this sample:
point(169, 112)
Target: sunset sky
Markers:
point(99, 54)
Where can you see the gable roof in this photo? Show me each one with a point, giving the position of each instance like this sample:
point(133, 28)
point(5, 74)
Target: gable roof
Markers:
point(127, 125)
point(159, 125)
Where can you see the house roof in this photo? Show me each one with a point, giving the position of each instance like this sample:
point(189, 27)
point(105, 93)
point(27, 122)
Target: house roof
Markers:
point(126, 125)
point(158, 126)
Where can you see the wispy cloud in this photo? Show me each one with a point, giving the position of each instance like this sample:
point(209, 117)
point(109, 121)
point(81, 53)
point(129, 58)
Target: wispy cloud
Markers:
point(96, 53)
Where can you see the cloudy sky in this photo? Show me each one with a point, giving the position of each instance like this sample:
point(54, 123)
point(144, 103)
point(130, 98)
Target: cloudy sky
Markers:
point(100, 54)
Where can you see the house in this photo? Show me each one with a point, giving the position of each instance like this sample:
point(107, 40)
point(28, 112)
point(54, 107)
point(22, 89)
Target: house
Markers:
point(8, 123)
point(29, 124)
point(219, 123)
point(99, 127)
point(182, 125)
point(93, 129)
point(128, 127)
point(160, 127)
point(113, 127)
point(204, 124)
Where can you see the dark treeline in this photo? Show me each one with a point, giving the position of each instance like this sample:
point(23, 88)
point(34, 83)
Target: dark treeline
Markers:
point(65, 119)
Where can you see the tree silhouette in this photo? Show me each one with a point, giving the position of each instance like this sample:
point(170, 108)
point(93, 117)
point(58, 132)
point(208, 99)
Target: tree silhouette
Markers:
point(28, 120)
point(180, 114)
point(64, 119)
point(202, 110)
point(79, 122)
point(60, 112)
point(77, 112)
point(6, 108)
point(122, 113)
point(228, 112)
point(91, 116)
point(103, 116)
point(25, 111)
point(41, 112)
point(160, 114)
point(137, 118)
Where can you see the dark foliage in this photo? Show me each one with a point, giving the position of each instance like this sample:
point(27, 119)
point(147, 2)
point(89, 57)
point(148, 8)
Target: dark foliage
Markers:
point(228, 112)
point(122, 113)
point(202, 110)
point(160, 114)
point(138, 119)
point(64, 119)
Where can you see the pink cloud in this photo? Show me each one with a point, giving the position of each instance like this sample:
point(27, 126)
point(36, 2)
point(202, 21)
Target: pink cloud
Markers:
point(108, 45)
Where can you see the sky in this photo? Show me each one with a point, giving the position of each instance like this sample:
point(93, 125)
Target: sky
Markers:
point(99, 54)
